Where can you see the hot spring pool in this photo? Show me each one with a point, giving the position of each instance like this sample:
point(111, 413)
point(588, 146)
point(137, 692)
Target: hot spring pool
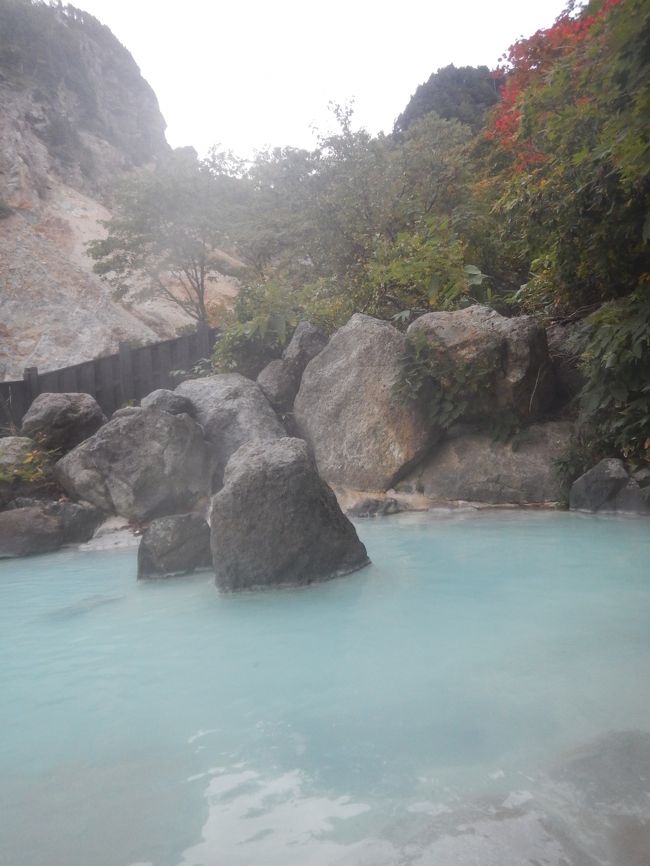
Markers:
point(479, 695)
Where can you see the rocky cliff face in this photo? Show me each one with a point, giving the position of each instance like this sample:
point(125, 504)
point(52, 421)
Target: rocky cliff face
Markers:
point(74, 114)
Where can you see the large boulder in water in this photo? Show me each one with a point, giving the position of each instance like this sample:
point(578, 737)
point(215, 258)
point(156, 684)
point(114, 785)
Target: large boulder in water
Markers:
point(139, 466)
point(232, 411)
point(275, 522)
point(474, 467)
point(61, 421)
point(508, 358)
point(43, 527)
point(362, 435)
point(27, 531)
point(280, 379)
point(177, 544)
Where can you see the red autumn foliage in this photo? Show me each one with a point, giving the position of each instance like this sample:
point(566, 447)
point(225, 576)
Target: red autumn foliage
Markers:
point(525, 62)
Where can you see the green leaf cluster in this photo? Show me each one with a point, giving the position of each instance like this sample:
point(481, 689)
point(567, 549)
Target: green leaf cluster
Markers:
point(444, 387)
point(615, 400)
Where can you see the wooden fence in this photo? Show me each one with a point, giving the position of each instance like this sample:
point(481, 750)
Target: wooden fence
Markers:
point(114, 380)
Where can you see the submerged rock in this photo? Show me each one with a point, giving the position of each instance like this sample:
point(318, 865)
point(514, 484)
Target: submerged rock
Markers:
point(59, 422)
point(42, 527)
point(474, 467)
point(143, 465)
point(374, 507)
point(177, 544)
point(275, 522)
point(509, 357)
point(232, 411)
point(363, 437)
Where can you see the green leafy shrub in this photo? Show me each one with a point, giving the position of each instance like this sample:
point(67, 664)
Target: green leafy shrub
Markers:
point(265, 317)
point(615, 400)
point(429, 376)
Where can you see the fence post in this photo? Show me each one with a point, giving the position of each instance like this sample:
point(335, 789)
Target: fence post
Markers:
point(203, 340)
point(126, 372)
point(30, 376)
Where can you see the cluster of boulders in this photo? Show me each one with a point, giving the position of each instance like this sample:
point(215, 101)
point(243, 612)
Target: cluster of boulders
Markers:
point(610, 487)
point(236, 473)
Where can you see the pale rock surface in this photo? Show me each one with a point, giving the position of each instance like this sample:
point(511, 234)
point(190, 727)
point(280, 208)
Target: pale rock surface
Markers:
point(61, 421)
point(474, 467)
point(510, 356)
point(144, 465)
point(362, 436)
point(166, 401)
point(280, 379)
point(232, 410)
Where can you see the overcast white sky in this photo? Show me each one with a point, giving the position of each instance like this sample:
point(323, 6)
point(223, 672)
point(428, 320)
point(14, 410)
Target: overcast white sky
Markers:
point(250, 73)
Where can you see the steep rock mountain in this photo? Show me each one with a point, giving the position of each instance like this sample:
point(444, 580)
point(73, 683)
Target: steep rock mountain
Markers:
point(75, 113)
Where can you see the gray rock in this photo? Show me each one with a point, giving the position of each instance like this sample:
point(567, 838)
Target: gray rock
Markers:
point(28, 531)
point(564, 351)
point(598, 488)
point(306, 343)
point(613, 769)
point(25, 470)
point(362, 435)
point(280, 379)
point(167, 401)
point(279, 383)
point(125, 412)
point(79, 520)
point(177, 544)
point(642, 478)
point(144, 465)
point(276, 523)
point(374, 508)
point(474, 467)
point(509, 355)
point(631, 500)
point(59, 422)
point(232, 411)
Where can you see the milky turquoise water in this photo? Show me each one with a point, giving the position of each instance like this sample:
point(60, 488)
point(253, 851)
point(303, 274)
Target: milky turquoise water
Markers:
point(354, 722)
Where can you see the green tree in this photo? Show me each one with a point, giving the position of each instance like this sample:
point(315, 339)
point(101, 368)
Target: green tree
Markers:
point(455, 93)
point(166, 234)
point(570, 162)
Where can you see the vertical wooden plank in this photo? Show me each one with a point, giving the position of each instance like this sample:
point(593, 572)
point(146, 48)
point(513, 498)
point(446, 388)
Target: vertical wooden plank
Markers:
point(69, 380)
point(126, 372)
point(183, 359)
point(203, 341)
point(87, 379)
point(145, 383)
point(165, 362)
point(106, 389)
point(14, 402)
point(30, 377)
